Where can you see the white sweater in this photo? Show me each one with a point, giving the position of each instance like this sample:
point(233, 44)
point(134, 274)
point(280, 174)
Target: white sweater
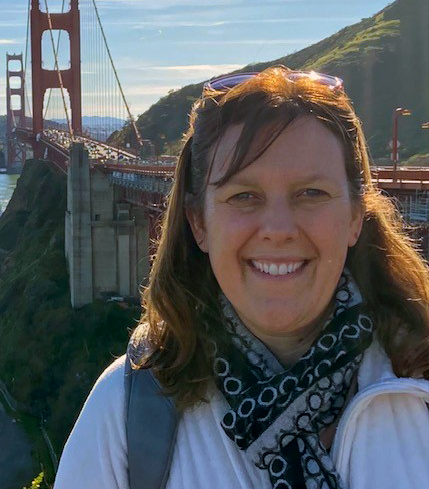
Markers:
point(382, 441)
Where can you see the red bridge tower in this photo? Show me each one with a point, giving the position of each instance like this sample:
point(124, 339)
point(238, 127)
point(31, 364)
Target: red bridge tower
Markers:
point(15, 117)
point(45, 79)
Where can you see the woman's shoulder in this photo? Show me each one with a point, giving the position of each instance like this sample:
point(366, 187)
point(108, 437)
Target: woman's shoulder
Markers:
point(376, 370)
point(106, 401)
point(107, 396)
point(96, 452)
point(380, 431)
point(112, 378)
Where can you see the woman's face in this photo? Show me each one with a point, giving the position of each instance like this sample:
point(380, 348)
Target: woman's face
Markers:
point(277, 233)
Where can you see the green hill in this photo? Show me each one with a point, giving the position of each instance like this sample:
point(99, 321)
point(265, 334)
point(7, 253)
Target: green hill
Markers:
point(384, 61)
point(50, 354)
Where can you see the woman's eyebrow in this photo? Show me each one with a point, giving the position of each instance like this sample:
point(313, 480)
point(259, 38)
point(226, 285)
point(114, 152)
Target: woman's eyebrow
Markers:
point(316, 177)
point(237, 180)
point(244, 180)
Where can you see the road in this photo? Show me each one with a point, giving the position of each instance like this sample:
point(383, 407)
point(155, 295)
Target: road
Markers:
point(16, 464)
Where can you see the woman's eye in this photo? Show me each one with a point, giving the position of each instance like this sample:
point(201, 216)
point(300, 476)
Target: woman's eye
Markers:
point(313, 192)
point(242, 197)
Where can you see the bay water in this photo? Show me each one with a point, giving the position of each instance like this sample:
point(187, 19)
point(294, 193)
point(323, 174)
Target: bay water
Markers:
point(7, 186)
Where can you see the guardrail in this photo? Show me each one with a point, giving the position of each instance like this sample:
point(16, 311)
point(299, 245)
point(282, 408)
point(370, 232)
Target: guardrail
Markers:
point(146, 182)
point(415, 208)
point(408, 178)
point(405, 177)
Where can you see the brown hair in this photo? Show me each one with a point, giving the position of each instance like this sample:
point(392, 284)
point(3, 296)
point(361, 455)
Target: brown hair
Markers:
point(390, 273)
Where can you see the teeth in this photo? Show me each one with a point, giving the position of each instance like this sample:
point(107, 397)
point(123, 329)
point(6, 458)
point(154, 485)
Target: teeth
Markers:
point(273, 269)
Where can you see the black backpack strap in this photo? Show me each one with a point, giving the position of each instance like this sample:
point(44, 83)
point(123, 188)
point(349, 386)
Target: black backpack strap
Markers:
point(151, 427)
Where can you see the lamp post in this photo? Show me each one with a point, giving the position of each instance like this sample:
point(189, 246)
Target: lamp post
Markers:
point(398, 111)
point(425, 125)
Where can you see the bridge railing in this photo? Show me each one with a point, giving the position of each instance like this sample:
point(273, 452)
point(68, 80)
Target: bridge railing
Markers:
point(145, 182)
point(415, 208)
point(104, 154)
point(416, 174)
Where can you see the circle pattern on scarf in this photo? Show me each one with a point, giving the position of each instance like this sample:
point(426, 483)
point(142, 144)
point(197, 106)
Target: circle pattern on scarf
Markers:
point(282, 484)
point(277, 466)
point(232, 385)
point(315, 401)
point(221, 367)
point(267, 396)
point(246, 407)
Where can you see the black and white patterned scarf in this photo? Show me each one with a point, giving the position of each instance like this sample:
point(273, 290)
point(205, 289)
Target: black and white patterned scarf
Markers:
point(276, 414)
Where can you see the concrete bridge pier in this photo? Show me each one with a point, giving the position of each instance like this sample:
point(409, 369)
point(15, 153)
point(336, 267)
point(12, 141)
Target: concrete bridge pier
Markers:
point(107, 238)
point(78, 234)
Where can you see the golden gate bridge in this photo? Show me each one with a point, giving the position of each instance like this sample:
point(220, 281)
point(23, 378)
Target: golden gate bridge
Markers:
point(51, 125)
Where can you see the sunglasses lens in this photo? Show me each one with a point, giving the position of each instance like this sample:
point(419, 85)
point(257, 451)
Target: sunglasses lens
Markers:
point(330, 81)
point(230, 81)
point(227, 82)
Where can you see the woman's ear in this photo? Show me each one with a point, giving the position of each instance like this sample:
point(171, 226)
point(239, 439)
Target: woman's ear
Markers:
point(195, 220)
point(356, 225)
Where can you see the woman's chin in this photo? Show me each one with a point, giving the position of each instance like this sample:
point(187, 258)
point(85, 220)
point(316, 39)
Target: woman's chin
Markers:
point(276, 323)
point(272, 321)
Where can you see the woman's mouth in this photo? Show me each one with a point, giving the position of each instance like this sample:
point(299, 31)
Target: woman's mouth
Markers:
point(277, 269)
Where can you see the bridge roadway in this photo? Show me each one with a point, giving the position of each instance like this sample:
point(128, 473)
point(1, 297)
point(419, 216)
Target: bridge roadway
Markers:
point(131, 171)
point(134, 170)
point(105, 154)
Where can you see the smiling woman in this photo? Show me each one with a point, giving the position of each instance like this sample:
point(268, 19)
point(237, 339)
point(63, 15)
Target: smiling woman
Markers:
point(277, 232)
point(287, 316)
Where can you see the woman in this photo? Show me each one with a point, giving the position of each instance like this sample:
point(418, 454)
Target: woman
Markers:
point(286, 313)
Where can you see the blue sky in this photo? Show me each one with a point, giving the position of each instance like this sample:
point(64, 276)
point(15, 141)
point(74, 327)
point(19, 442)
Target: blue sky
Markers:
point(159, 45)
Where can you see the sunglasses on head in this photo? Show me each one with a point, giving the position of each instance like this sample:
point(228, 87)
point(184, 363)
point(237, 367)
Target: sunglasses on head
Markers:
point(230, 81)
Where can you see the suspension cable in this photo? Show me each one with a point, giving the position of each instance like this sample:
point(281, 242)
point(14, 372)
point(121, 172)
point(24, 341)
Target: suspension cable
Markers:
point(58, 48)
point(131, 118)
point(60, 78)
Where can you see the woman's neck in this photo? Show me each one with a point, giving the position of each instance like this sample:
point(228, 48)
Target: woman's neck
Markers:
point(290, 347)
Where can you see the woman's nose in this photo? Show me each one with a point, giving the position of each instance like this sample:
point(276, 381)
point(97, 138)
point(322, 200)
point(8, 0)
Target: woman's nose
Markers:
point(279, 222)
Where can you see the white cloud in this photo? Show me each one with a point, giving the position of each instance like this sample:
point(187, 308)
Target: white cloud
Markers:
point(164, 4)
point(129, 63)
point(10, 41)
point(131, 91)
point(12, 24)
point(220, 23)
point(18, 10)
point(150, 90)
point(201, 70)
point(260, 42)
